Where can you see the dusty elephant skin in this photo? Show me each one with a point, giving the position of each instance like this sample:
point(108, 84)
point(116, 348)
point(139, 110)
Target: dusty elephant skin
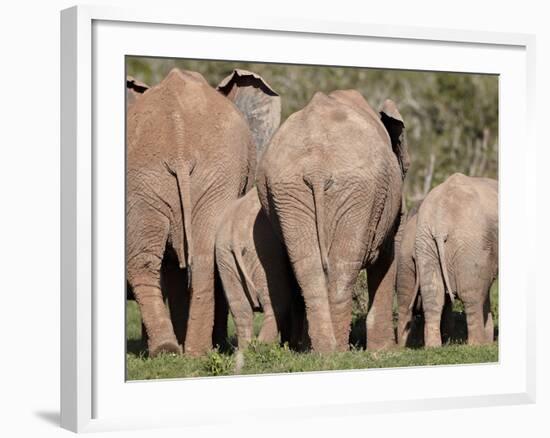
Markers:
point(189, 154)
point(410, 326)
point(259, 103)
point(331, 183)
point(456, 251)
point(256, 274)
point(406, 284)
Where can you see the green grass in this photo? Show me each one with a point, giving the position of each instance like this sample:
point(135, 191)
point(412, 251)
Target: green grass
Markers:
point(273, 358)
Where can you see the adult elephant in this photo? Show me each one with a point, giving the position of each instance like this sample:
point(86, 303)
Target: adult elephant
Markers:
point(331, 182)
point(190, 152)
point(456, 250)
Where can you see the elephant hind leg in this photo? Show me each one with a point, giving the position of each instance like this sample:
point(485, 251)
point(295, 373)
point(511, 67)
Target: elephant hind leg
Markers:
point(154, 314)
point(270, 328)
point(484, 334)
point(239, 306)
point(342, 282)
point(488, 318)
point(312, 281)
point(479, 319)
point(147, 235)
point(433, 300)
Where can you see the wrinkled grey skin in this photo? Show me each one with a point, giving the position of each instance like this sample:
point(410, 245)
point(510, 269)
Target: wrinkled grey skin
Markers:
point(190, 153)
point(330, 182)
point(258, 102)
point(456, 251)
point(410, 326)
point(256, 274)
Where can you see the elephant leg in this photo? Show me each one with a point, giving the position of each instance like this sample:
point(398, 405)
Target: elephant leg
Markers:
point(341, 284)
point(447, 320)
point(405, 305)
point(147, 235)
point(243, 316)
point(381, 283)
point(488, 318)
point(476, 323)
point(269, 330)
point(433, 300)
point(239, 306)
point(312, 281)
point(174, 284)
point(201, 309)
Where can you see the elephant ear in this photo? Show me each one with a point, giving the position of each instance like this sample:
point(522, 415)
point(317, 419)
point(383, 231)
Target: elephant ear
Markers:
point(259, 103)
point(392, 120)
point(134, 89)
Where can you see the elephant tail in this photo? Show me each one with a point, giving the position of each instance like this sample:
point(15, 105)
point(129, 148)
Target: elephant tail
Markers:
point(416, 286)
point(250, 286)
point(317, 187)
point(184, 248)
point(440, 243)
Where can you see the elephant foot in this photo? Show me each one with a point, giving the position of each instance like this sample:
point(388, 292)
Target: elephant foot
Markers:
point(325, 346)
point(381, 341)
point(381, 344)
point(164, 346)
point(196, 349)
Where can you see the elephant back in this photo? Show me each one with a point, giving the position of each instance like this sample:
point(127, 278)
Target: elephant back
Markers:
point(334, 131)
point(184, 118)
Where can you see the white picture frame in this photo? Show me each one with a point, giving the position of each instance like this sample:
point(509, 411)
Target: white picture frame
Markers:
point(94, 394)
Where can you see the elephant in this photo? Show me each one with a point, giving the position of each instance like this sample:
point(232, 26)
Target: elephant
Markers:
point(456, 252)
point(410, 326)
point(190, 153)
point(256, 274)
point(331, 183)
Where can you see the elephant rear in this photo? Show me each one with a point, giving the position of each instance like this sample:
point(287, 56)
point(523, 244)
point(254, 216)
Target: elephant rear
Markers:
point(456, 249)
point(330, 182)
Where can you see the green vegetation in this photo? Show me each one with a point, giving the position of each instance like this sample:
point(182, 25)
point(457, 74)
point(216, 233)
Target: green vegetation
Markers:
point(271, 358)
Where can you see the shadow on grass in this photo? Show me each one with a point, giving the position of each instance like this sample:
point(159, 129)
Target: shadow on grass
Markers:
point(136, 346)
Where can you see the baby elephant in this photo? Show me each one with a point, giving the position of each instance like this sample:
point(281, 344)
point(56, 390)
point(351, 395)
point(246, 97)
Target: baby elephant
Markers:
point(410, 327)
point(256, 275)
point(456, 252)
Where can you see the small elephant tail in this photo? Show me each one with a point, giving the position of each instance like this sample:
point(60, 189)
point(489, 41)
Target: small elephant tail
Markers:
point(250, 286)
point(185, 258)
point(319, 201)
point(416, 287)
point(440, 243)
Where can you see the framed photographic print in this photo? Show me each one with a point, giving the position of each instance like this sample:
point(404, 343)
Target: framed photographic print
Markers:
point(327, 209)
